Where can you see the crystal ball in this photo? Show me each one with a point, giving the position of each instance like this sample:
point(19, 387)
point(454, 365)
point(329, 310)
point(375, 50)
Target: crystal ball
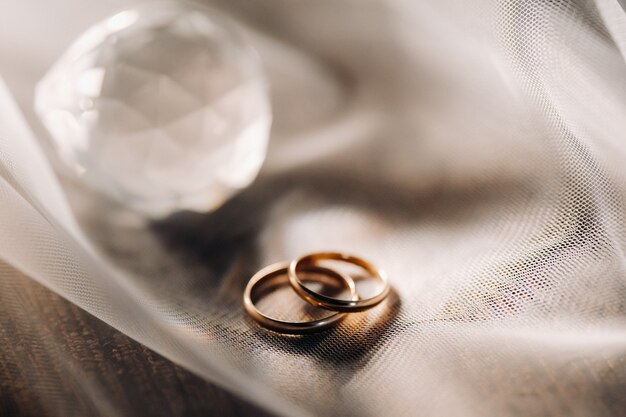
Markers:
point(163, 107)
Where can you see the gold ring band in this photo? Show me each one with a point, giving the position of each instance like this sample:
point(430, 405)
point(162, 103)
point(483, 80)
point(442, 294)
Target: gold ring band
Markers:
point(330, 303)
point(275, 271)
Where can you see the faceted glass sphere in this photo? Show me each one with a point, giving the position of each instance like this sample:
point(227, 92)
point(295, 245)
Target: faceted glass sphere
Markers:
point(163, 107)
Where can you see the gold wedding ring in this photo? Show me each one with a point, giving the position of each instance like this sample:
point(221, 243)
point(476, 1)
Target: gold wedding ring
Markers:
point(281, 274)
point(276, 274)
point(330, 303)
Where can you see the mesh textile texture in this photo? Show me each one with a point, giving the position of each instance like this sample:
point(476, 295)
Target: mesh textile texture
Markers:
point(474, 150)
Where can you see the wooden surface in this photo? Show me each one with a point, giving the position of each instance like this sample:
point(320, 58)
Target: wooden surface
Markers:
point(58, 360)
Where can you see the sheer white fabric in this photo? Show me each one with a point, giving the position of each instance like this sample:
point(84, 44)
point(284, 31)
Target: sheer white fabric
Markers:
point(474, 150)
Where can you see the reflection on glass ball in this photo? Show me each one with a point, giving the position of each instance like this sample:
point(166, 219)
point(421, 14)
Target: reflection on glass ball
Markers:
point(163, 107)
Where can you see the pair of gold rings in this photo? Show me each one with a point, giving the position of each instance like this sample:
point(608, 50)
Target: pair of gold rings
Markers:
point(282, 273)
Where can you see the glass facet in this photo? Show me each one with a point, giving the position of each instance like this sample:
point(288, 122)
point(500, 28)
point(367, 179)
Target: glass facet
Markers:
point(163, 107)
